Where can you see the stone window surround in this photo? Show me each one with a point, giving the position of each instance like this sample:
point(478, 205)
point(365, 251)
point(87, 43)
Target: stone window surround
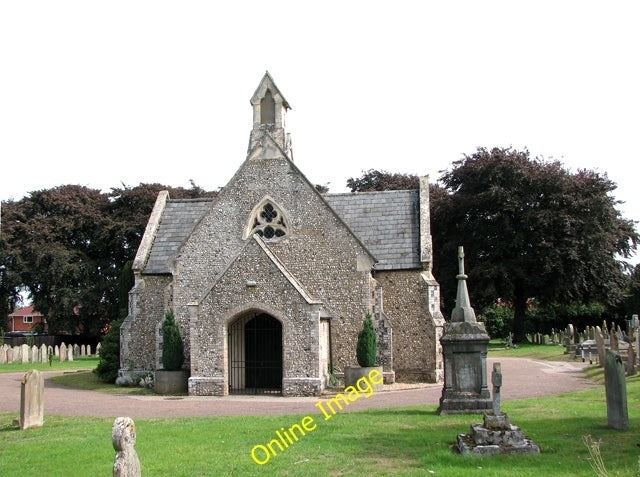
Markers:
point(250, 229)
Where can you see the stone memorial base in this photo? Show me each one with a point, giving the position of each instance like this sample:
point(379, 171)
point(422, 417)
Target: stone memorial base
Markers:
point(496, 435)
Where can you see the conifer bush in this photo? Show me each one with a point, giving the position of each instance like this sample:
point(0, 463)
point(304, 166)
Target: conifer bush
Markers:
point(107, 369)
point(172, 347)
point(367, 347)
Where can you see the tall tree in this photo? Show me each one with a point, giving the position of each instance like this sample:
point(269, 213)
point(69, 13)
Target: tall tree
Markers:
point(56, 238)
point(631, 304)
point(532, 229)
point(67, 245)
point(9, 279)
point(373, 180)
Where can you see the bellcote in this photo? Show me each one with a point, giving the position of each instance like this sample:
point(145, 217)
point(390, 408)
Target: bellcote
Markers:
point(269, 105)
point(269, 111)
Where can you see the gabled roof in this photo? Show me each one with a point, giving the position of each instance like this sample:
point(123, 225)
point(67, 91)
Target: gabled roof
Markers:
point(26, 311)
point(268, 83)
point(387, 223)
point(179, 218)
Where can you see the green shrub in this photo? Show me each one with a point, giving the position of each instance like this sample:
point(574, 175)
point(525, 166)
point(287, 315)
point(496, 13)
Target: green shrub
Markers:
point(172, 347)
point(367, 347)
point(497, 319)
point(107, 369)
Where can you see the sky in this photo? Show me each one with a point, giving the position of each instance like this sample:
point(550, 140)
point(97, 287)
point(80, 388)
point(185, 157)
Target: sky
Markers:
point(103, 94)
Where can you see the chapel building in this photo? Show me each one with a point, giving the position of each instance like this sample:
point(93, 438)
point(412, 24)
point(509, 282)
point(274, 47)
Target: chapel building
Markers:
point(270, 280)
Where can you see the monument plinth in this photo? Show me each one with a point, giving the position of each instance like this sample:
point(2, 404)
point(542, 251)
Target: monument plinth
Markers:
point(464, 347)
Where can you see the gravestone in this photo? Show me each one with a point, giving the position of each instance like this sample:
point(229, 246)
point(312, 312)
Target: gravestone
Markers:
point(3, 355)
point(83, 350)
point(24, 354)
point(63, 352)
point(616, 390)
point(56, 350)
point(32, 400)
point(88, 350)
point(34, 354)
point(123, 437)
point(630, 363)
point(9, 355)
point(613, 342)
point(98, 349)
point(496, 435)
point(464, 347)
point(600, 345)
point(76, 350)
point(43, 353)
point(70, 353)
point(496, 380)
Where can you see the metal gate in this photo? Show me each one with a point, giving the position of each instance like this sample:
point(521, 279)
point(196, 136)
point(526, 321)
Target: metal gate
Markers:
point(255, 355)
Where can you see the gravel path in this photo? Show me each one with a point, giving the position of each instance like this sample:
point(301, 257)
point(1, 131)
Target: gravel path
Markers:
point(522, 378)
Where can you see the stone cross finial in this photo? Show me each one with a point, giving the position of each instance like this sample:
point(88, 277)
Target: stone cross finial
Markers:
point(461, 261)
point(496, 380)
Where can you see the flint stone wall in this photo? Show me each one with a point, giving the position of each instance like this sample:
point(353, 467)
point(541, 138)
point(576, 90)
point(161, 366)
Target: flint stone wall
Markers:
point(138, 343)
point(411, 303)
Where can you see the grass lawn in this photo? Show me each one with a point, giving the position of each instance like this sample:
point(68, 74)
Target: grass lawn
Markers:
point(85, 362)
point(395, 441)
point(530, 350)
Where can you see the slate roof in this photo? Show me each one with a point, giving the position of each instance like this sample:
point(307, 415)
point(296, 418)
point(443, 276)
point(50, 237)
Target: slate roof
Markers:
point(178, 220)
point(386, 222)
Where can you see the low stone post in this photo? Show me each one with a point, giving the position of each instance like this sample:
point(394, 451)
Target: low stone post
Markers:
point(616, 391)
point(32, 400)
point(123, 437)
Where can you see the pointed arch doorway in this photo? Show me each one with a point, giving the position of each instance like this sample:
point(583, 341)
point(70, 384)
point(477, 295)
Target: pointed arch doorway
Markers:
point(255, 355)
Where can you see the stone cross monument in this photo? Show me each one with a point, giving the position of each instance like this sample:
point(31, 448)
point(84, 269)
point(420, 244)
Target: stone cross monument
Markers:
point(464, 346)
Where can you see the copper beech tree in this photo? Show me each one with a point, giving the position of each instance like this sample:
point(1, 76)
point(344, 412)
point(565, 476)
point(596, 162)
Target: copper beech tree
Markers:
point(67, 247)
point(531, 229)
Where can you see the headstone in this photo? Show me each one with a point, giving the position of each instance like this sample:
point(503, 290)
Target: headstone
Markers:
point(123, 437)
point(88, 350)
point(9, 355)
point(24, 354)
point(83, 350)
point(616, 390)
point(600, 346)
point(34, 354)
point(56, 350)
point(3, 355)
point(44, 354)
point(613, 342)
point(630, 363)
point(70, 353)
point(496, 380)
point(32, 400)
point(98, 349)
point(63, 352)
point(76, 350)
point(496, 435)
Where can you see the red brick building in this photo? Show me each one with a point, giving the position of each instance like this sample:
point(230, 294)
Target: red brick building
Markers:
point(25, 319)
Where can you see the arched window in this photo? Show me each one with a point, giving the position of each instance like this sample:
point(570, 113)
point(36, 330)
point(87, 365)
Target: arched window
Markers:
point(268, 221)
point(268, 109)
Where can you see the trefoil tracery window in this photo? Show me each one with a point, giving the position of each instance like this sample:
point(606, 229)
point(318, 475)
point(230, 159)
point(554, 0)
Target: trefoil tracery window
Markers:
point(268, 222)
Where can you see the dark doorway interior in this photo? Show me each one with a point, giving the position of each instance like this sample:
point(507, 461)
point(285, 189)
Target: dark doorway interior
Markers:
point(255, 351)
